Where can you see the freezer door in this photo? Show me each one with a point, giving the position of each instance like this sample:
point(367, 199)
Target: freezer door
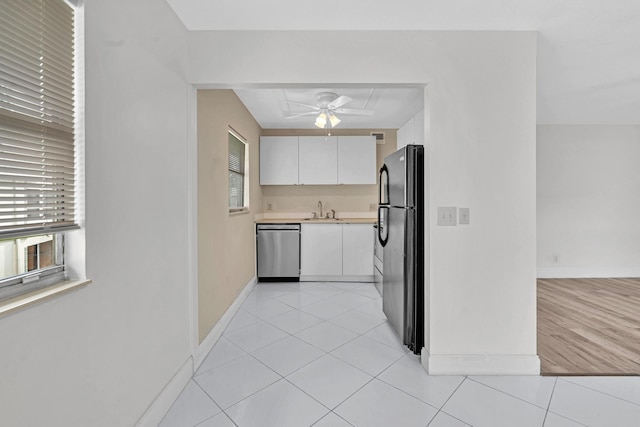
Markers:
point(396, 165)
point(404, 176)
point(394, 282)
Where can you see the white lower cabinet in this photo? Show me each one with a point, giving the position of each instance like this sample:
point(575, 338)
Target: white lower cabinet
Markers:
point(340, 252)
point(357, 250)
point(321, 250)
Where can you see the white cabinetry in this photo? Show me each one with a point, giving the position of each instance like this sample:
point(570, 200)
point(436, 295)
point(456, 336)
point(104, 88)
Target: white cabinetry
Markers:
point(278, 160)
point(405, 134)
point(318, 160)
point(357, 250)
point(419, 128)
point(321, 250)
point(412, 132)
point(357, 159)
point(340, 252)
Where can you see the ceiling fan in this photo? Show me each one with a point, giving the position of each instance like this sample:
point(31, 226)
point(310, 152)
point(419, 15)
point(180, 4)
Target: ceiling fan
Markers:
point(328, 104)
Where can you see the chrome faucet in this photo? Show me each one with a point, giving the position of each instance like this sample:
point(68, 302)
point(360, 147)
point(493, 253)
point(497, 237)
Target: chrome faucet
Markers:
point(320, 206)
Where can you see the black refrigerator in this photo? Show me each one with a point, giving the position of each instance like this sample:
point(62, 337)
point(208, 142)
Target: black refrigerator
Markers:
point(401, 233)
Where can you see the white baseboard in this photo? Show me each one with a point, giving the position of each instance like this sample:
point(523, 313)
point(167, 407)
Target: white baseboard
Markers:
point(587, 272)
point(161, 405)
point(482, 364)
point(214, 335)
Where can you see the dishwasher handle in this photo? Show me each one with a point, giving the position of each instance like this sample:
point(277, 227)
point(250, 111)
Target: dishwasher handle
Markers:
point(278, 227)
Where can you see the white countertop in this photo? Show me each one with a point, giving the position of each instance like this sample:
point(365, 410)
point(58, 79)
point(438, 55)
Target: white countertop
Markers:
point(304, 218)
point(316, 221)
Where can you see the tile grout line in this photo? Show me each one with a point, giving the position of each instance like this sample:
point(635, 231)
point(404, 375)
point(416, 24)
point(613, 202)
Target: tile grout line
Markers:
point(277, 373)
point(447, 401)
point(327, 414)
point(322, 404)
point(555, 382)
point(262, 320)
point(349, 397)
point(358, 335)
point(600, 391)
point(561, 416)
point(402, 391)
point(252, 394)
point(197, 374)
point(351, 364)
point(222, 410)
point(244, 398)
point(508, 394)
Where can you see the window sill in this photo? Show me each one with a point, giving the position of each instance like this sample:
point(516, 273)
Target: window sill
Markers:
point(239, 212)
point(22, 301)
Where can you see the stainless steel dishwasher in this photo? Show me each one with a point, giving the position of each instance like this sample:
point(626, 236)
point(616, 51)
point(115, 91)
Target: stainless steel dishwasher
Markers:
point(278, 247)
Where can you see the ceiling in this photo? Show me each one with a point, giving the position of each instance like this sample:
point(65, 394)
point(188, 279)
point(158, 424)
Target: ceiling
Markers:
point(392, 107)
point(588, 50)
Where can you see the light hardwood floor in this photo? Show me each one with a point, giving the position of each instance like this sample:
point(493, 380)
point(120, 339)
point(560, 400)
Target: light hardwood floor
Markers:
point(589, 326)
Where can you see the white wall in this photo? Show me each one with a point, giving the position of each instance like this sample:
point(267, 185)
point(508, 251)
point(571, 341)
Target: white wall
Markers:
point(588, 201)
point(482, 155)
point(99, 356)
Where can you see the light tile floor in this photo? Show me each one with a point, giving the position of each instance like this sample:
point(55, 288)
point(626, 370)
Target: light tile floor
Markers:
point(323, 354)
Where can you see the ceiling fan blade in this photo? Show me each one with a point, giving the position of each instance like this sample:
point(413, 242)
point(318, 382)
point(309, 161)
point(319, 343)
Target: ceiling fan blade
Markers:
point(353, 112)
point(308, 113)
point(339, 102)
point(314, 107)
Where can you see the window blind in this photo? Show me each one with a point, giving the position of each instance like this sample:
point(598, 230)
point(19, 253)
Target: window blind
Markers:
point(36, 117)
point(236, 172)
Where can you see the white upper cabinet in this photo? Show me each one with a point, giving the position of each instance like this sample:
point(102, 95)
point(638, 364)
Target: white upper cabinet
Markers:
point(357, 250)
point(405, 134)
point(419, 128)
point(318, 160)
point(357, 159)
point(278, 160)
point(412, 132)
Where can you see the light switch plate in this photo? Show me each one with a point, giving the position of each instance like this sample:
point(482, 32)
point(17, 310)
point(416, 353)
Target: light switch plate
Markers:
point(447, 215)
point(463, 216)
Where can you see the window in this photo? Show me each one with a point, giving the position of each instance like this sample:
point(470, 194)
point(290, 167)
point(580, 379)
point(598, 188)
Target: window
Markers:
point(37, 144)
point(238, 182)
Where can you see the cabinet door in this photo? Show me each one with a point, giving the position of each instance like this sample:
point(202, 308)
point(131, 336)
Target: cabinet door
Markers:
point(318, 160)
point(357, 159)
point(357, 250)
point(406, 134)
point(321, 250)
point(419, 128)
point(278, 160)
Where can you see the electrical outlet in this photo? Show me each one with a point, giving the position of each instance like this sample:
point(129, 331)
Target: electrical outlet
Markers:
point(269, 207)
point(463, 216)
point(556, 258)
point(373, 206)
point(447, 215)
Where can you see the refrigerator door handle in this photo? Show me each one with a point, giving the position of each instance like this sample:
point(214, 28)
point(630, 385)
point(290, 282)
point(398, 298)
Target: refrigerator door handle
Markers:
point(383, 234)
point(384, 186)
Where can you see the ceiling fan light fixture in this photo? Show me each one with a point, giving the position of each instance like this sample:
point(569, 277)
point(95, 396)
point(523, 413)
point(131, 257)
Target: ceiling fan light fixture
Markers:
point(334, 120)
point(321, 120)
